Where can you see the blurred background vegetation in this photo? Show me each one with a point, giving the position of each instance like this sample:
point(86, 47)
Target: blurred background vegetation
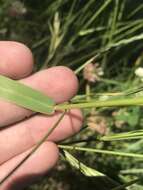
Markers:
point(70, 32)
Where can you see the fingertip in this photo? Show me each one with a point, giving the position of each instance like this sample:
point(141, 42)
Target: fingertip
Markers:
point(60, 83)
point(66, 84)
point(16, 59)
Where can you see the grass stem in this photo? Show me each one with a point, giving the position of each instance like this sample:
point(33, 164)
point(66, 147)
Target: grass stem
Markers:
point(108, 103)
point(109, 152)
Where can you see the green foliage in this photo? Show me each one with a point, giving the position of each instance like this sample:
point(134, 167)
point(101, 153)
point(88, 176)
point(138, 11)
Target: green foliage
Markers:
point(25, 96)
point(131, 116)
point(71, 32)
point(80, 166)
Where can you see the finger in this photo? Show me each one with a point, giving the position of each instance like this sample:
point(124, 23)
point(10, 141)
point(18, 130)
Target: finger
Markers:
point(22, 136)
point(59, 83)
point(16, 60)
point(36, 166)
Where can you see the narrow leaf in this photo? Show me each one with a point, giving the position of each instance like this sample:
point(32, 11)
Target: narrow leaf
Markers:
point(137, 134)
point(109, 152)
point(136, 171)
point(126, 185)
point(25, 96)
point(101, 179)
point(87, 171)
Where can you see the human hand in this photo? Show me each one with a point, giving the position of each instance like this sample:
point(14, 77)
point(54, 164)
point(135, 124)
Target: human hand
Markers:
point(23, 132)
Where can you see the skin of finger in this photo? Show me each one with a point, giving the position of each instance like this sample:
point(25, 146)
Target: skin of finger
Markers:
point(20, 137)
point(59, 83)
point(36, 166)
point(16, 59)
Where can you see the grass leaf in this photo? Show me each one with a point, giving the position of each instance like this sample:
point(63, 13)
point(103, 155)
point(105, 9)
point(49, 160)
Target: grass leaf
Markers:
point(99, 151)
point(126, 185)
point(106, 181)
point(137, 134)
point(87, 171)
point(25, 96)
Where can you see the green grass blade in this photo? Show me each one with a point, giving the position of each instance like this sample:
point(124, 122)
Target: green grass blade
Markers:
point(87, 171)
point(25, 96)
point(86, 63)
point(106, 181)
point(121, 187)
point(126, 41)
point(133, 171)
point(109, 152)
point(99, 11)
point(136, 10)
point(107, 103)
point(137, 134)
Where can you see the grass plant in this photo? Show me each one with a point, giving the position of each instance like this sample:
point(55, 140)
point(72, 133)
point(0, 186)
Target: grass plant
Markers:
point(75, 34)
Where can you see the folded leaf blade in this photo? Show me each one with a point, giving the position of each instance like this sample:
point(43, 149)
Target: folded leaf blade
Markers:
point(87, 171)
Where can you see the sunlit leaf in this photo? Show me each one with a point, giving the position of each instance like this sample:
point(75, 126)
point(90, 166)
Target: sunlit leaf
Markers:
point(137, 134)
point(101, 179)
point(101, 151)
point(87, 171)
point(25, 96)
